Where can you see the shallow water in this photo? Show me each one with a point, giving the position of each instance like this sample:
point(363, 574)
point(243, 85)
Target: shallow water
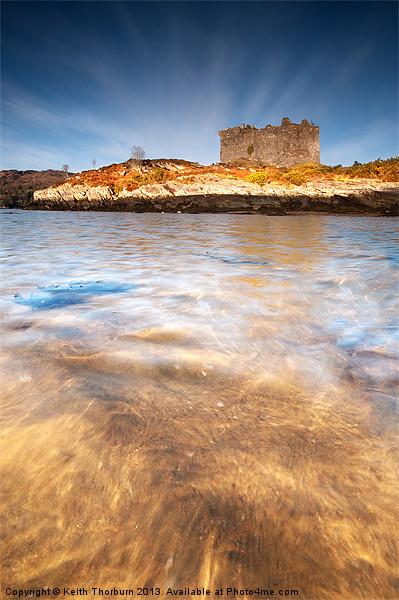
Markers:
point(200, 401)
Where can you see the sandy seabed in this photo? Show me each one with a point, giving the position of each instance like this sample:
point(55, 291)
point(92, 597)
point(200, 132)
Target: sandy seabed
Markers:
point(120, 476)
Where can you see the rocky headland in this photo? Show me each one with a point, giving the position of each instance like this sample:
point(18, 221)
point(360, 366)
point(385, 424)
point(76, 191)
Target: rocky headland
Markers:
point(180, 186)
point(17, 187)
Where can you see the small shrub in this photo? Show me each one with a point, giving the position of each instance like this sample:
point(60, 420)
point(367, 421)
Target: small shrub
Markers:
point(140, 179)
point(294, 177)
point(158, 174)
point(250, 149)
point(260, 177)
point(117, 188)
point(311, 169)
point(275, 175)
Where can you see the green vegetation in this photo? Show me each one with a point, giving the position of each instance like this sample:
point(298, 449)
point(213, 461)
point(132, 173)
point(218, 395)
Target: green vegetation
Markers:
point(122, 177)
point(382, 170)
point(158, 174)
point(300, 174)
point(117, 188)
point(385, 170)
point(132, 182)
point(311, 169)
point(250, 149)
point(260, 177)
point(294, 177)
point(16, 199)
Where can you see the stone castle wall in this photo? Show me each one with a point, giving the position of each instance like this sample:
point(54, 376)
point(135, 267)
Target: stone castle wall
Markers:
point(283, 146)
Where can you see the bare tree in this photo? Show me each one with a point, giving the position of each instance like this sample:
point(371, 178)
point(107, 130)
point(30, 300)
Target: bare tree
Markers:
point(65, 168)
point(94, 162)
point(137, 154)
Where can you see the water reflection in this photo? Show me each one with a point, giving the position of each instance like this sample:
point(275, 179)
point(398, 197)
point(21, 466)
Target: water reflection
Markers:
point(208, 422)
point(77, 292)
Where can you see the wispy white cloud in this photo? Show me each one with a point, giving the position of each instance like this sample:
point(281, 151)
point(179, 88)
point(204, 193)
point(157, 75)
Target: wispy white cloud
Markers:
point(363, 143)
point(168, 82)
point(27, 156)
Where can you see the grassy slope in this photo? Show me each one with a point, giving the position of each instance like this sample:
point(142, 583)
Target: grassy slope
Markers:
point(120, 176)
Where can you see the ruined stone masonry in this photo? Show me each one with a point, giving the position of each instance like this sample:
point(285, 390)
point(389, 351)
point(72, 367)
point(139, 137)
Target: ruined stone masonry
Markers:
point(284, 145)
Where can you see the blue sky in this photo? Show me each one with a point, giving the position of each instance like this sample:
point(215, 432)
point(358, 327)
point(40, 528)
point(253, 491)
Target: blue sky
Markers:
point(84, 80)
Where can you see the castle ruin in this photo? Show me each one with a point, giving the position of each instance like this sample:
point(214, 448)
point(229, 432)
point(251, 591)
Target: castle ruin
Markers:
point(284, 145)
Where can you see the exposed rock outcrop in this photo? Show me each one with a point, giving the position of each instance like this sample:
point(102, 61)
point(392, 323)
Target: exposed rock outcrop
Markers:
point(212, 193)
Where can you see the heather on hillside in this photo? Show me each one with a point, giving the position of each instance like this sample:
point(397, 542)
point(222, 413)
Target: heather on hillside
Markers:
point(124, 176)
point(18, 186)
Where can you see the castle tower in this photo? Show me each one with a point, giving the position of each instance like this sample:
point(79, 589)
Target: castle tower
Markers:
point(284, 145)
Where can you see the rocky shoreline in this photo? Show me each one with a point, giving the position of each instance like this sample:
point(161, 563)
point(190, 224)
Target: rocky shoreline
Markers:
point(215, 194)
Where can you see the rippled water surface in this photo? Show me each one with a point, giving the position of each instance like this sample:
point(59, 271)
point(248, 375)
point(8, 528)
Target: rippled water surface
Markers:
point(200, 400)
